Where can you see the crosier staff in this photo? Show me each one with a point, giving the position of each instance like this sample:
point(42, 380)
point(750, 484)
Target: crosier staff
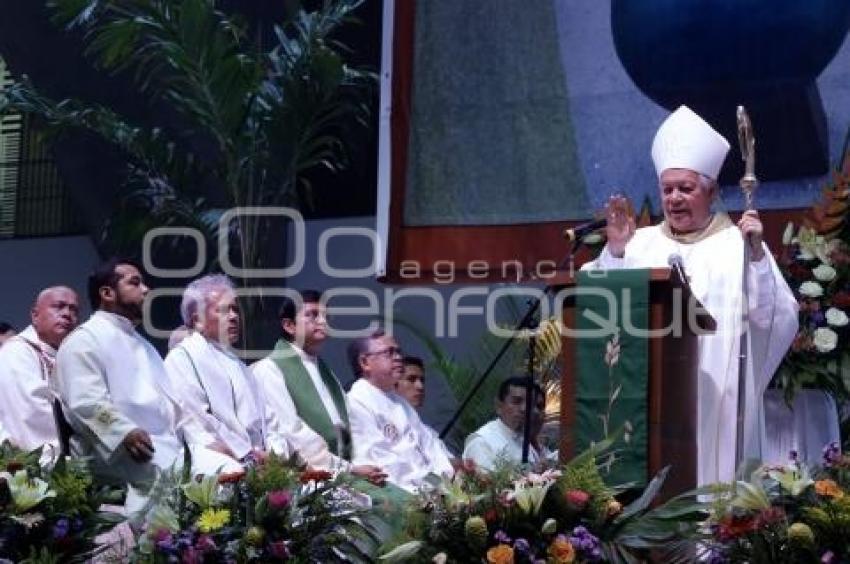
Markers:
point(748, 184)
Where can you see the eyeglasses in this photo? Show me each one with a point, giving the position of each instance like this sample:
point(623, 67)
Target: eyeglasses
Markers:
point(389, 352)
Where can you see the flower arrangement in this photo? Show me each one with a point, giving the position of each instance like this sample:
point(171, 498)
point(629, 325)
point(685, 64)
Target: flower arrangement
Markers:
point(50, 515)
point(555, 516)
point(787, 513)
point(274, 512)
point(815, 259)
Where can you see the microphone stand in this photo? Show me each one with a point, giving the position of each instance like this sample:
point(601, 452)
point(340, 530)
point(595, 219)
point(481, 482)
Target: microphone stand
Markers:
point(527, 322)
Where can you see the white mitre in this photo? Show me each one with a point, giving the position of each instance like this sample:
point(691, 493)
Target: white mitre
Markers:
point(685, 140)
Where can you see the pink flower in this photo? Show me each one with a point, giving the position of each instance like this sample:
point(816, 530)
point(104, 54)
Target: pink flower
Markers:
point(279, 499)
point(279, 550)
point(577, 499)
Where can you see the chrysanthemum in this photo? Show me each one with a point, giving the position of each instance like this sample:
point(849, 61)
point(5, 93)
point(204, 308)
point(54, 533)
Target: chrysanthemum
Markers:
point(213, 519)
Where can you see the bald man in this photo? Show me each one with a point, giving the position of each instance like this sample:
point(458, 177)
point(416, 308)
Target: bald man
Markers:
point(26, 370)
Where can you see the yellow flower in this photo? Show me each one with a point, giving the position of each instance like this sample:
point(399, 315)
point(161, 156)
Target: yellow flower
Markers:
point(828, 488)
point(562, 552)
point(500, 554)
point(213, 519)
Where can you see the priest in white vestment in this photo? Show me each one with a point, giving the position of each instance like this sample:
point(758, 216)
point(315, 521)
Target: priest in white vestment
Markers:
point(26, 372)
point(688, 154)
point(304, 392)
point(500, 440)
point(115, 393)
point(212, 383)
point(385, 429)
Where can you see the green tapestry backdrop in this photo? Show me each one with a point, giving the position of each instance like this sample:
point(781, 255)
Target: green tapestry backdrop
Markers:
point(491, 138)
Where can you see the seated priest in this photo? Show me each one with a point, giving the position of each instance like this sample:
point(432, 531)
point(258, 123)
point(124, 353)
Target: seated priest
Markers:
point(305, 394)
point(212, 383)
point(26, 371)
point(501, 439)
point(115, 394)
point(688, 154)
point(385, 429)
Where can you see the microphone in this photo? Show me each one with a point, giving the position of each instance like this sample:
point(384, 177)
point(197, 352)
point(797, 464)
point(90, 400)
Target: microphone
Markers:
point(579, 231)
point(675, 262)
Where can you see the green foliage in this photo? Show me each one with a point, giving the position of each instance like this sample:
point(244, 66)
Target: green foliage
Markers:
point(252, 119)
point(277, 473)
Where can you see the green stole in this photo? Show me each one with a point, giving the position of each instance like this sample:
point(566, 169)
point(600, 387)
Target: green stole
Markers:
point(306, 398)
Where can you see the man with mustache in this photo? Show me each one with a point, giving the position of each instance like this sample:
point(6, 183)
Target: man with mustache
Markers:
point(688, 155)
point(26, 370)
point(115, 393)
point(212, 383)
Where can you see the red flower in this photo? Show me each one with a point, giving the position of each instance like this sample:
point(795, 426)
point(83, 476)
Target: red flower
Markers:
point(231, 477)
point(798, 271)
point(577, 499)
point(769, 516)
point(841, 299)
point(732, 527)
point(315, 476)
point(14, 466)
point(491, 515)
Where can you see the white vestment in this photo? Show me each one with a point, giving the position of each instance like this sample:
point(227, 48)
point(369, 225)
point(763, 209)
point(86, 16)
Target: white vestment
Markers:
point(496, 441)
point(310, 446)
point(387, 432)
point(111, 381)
point(221, 392)
point(715, 267)
point(26, 395)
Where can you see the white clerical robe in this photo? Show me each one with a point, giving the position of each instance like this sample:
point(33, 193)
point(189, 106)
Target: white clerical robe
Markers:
point(221, 392)
point(387, 432)
point(494, 441)
point(715, 267)
point(310, 446)
point(26, 400)
point(111, 381)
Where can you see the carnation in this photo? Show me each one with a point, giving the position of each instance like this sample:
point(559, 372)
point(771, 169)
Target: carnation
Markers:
point(811, 289)
point(824, 273)
point(825, 339)
point(836, 317)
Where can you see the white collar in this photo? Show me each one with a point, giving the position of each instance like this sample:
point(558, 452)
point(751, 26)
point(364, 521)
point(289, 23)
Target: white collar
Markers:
point(119, 321)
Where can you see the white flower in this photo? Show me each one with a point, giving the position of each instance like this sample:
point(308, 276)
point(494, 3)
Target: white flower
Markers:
point(825, 339)
point(26, 492)
point(788, 234)
point(811, 289)
point(824, 273)
point(836, 317)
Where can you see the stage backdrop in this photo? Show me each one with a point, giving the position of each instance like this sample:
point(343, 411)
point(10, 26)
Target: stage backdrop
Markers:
point(502, 120)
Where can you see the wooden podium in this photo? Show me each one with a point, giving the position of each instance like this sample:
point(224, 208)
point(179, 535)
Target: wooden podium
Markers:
point(672, 378)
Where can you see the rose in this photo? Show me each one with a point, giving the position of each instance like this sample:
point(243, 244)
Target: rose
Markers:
point(500, 554)
point(836, 317)
point(811, 289)
point(824, 273)
point(825, 339)
point(561, 551)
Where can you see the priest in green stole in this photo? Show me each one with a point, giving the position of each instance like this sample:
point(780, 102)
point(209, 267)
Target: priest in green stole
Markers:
point(304, 392)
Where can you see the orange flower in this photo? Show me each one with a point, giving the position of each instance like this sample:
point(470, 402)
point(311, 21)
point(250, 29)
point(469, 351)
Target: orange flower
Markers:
point(828, 488)
point(561, 550)
point(500, 554)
